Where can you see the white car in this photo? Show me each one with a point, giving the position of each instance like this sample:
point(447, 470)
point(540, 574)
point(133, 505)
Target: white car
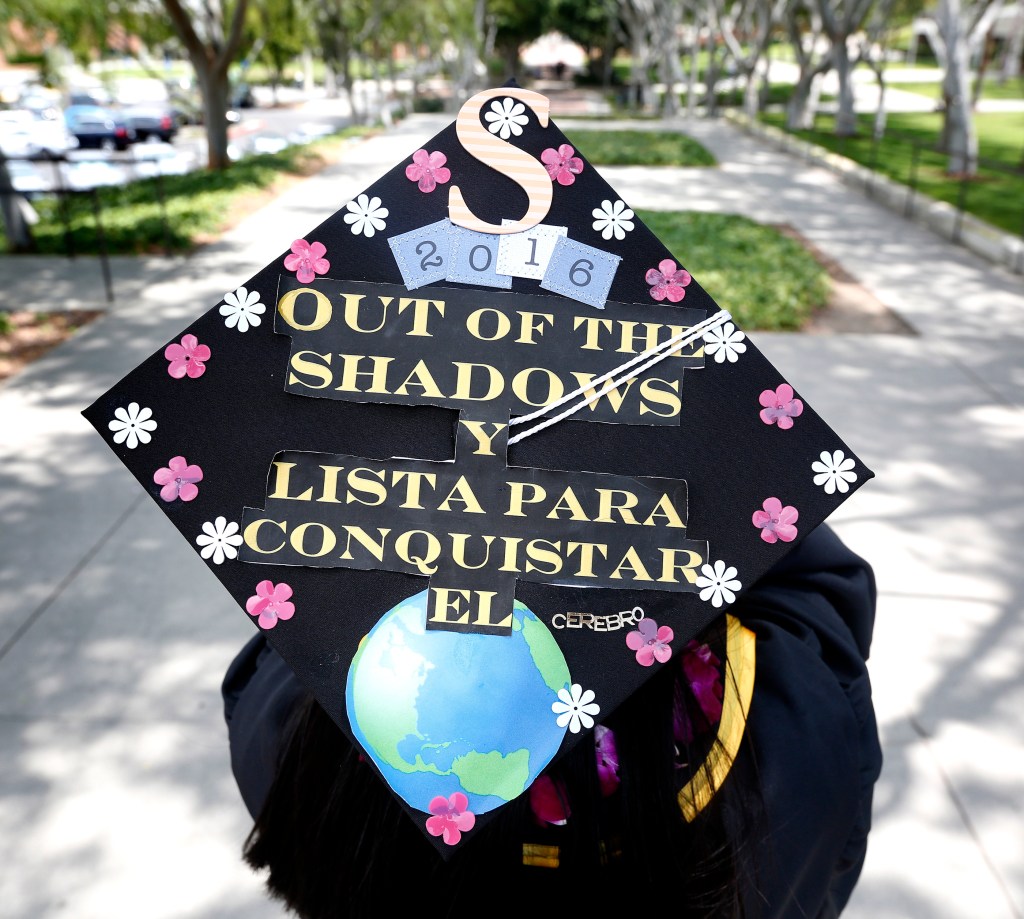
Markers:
point(24, 134)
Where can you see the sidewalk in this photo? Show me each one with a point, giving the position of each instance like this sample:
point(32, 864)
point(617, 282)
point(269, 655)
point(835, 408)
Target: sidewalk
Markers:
point(116, 799)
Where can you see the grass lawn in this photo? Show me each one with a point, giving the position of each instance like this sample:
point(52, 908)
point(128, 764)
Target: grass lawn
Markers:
point(640, 148)
point(765, 279)
point(992, 89)
point(994, 196)
point(200, 205)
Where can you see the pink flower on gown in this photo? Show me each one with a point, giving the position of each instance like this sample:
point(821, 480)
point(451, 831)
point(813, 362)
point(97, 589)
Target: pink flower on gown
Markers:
point(428, 170)
point(650, 642)
point(271, 603)
point(667, 281)
point(451, 817)
point(188, 358)
point(562, 164)
point(178, 479)
point(307, 260)
point(776, 522)
point(780, 406)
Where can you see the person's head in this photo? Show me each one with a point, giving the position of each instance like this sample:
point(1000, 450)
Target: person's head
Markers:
point(337, 842)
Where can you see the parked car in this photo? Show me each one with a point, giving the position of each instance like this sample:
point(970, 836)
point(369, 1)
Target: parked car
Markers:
point(156, 120)
point(96, 126)
point(25, 133)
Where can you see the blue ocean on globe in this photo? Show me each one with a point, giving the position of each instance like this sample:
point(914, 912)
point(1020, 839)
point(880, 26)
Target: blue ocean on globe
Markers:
point(441, 711)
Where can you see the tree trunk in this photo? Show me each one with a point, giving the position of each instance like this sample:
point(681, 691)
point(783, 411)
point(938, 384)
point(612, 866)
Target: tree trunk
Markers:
point(751, 96)
point(216, 93)
point(1014, 49)
point(19, 234)
point(691, 76)
point(958, 133)
point(846, 117)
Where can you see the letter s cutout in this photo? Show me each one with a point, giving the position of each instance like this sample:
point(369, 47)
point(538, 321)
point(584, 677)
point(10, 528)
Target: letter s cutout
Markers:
point(526, 171)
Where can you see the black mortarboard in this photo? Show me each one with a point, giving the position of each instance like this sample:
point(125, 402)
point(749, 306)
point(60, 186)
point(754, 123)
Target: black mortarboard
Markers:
point(478, 455)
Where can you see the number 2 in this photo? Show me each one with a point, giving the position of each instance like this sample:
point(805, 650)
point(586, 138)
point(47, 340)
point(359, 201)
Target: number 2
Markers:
point(426, 262)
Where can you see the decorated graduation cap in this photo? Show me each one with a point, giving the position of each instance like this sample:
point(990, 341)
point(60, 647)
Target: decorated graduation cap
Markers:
point(478, 455)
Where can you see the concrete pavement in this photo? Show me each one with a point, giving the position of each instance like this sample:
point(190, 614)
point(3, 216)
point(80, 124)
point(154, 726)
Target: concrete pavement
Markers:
point(116, 798)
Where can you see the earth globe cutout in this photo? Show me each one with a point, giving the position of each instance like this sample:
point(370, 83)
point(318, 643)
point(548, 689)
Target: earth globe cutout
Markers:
point(440, 712)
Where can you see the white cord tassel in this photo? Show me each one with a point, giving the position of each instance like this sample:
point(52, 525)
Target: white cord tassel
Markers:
point(622, 373)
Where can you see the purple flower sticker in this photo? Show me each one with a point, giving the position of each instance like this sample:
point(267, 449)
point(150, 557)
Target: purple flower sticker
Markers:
point(428, 169)
point(607, 759)
point(776, 522)
point(701, 667)
point(549, 801)
point(307, 260)
point(562, 164)
point(178, 479)
point(650, 642)
point(187, 359)
point(667, 281)
point(451, 817)
point(271, 603)
point(780, 406)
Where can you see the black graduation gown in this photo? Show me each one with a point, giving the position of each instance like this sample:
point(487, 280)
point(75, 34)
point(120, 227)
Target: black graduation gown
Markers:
point(811, 740)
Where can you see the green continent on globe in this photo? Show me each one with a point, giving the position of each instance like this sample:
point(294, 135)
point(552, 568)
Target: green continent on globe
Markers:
point(440, 711)
point(494, 774)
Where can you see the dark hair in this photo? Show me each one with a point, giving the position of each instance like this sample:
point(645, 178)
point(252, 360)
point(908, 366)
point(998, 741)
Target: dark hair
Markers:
point(338, 843)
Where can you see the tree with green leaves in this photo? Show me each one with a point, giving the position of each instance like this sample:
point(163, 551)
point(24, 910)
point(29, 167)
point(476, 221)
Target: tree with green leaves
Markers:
point(213, 40)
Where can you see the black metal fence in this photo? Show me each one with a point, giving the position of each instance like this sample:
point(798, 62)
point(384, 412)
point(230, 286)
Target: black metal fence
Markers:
point(71, 182)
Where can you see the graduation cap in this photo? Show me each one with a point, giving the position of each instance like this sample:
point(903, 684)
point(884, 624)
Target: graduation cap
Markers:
point(478, 455)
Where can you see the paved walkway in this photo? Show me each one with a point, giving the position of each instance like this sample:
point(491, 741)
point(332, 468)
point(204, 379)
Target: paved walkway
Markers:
point(116, 798)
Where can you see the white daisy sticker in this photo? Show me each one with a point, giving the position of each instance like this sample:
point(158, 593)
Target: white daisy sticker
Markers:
point(219, 540)
point(366, 215)
point(718, 584)
point(242, 309)
point(506, 118)
point(834, 472)
point(725, 342)
point(613, 219)
point(132, 425)
point(575, 708)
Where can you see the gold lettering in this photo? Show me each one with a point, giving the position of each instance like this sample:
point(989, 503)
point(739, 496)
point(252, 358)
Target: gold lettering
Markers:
point(360, 481)
point(667, 510)
point(483, 616)
point(606, 505)
point(329, 495)
point(282, 479)
point(352, 302)
point(462, 492)
point(324, 310)
point(424, 563)
point(592, 328)
point(568, 502)
point(443, 602)
point(299, 364)
point(669, 565)
point(536, 552)
point(327, 539)
point(459, 541)
point(464, 382)
point(521, 385)
point(376, 549)
point(531, 323)
point(615, 396)
point(252, 535)
point(350, 373)
point(517, 497)
point(631, 562)
point(587, 549)
point(650, 392)
point(412, 486)
point(503, 325)
point(483, 440)
point(420, 313)
point(420, 376)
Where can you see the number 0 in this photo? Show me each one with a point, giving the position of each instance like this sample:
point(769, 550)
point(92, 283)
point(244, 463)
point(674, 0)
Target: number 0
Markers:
point(486, 264)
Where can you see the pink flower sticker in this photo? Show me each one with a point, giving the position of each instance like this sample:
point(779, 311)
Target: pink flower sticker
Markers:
point(562, 164)
point(776, 522)
point(307, 260)
point(451, 817)
point(650, 642)
point(701, 667)
point(667, 281)
point(271, 603)
point(780, 406)
point(178, 479)
point(428, 169)
point(187, 359)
